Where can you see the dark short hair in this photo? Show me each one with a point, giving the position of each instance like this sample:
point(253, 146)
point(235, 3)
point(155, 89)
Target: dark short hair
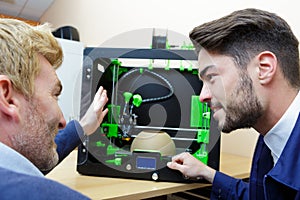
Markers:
point(245, 33)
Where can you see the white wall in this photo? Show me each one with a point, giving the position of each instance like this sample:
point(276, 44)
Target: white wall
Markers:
point(100, 20)
point(70, 75)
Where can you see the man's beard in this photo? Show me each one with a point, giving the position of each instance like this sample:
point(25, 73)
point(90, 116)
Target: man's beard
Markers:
point(35, 140)
point(243, 106)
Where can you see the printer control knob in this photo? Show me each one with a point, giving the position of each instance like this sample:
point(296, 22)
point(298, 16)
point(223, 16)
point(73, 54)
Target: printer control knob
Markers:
point(155, 176)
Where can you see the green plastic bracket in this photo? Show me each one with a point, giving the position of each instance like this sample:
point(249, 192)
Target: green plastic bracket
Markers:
point(137, 100)
point(202, 154)
point(195, 72)
point(100, 144)
point(167, 67)
point(111, 129)
point(113, 113)
point(116, 69)
point(127, 96)
point(181, 67)
point(190, 68)
point(195, 112)
point(111, 150)
point(187, 46)
point(122, 70)
point(150, 66)
point(116, 62)
point(203, 136)
point(141, 70)
point(206, 115)
point(168, 46)
point(116, 161)
point(200, 113)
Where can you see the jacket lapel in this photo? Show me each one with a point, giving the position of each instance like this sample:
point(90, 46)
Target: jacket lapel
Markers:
point(287, 168)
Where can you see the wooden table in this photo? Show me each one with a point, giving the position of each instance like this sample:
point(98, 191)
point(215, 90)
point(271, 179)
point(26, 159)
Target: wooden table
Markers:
point(118, 188)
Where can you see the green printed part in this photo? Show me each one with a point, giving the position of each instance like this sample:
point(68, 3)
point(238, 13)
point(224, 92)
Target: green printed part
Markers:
point(113, 113)
point(197, 109)
point(127, 96)
point(150, 66)
point(116, 161)
point(168, 46)
point(203, 136)
point(122, 70)
point(202, 154)
point(137, 100)
point(195, 72)
point(116, 62)
point(190, 68)
point(167, 67)
point(141, 70)
point(206, 115)
point(100, 144)
point(111, 150)
point(116, 70)
point(181, 67)
point(187, 47)
point(111, 130)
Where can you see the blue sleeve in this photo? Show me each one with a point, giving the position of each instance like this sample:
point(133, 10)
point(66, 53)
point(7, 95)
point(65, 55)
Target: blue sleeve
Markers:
point(68, 139)
point(19, 186)
point(226, 187)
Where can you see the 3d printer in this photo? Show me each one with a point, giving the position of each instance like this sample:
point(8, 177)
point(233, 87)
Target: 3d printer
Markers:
point(154, 113)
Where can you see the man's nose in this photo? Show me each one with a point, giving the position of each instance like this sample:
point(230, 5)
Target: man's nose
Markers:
point(62, 122)
point(205, 94)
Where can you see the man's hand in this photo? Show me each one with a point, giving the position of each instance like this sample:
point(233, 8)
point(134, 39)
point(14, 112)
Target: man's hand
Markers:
point(95, 114)
point(190, 167)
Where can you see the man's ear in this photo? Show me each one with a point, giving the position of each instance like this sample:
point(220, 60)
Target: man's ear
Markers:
point(267, 67)
point(9, 102)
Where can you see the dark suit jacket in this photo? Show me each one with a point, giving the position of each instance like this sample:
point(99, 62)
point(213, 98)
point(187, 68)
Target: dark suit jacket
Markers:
point(266, 182)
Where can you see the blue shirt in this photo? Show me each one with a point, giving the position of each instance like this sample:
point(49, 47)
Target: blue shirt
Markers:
point(20, 179)
point(278, 136)
point(12, 160)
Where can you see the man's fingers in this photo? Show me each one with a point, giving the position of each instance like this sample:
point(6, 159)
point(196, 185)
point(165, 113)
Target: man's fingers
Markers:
point(176, 166)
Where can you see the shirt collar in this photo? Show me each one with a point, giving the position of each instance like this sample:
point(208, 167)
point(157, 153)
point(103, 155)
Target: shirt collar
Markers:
point(278, 136)
point(14, 161)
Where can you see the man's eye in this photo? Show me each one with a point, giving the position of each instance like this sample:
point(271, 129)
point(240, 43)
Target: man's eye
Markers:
point(56, 96)
point(209, 77)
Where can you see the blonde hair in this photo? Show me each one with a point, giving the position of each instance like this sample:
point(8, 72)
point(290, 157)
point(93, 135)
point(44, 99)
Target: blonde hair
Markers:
point(20, 45)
